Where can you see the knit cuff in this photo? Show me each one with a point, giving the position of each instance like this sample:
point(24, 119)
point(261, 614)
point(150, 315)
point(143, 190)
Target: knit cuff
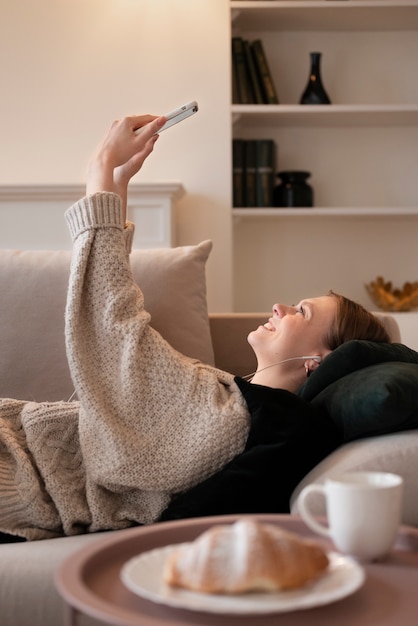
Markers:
point(98, 210)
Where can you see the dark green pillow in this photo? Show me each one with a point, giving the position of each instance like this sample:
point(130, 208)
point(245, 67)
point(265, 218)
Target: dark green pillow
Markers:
point(352, 356)
point(376, 400)
point(367, 388)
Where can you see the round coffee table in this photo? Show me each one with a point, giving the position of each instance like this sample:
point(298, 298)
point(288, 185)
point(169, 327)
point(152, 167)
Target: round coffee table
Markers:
point(89, 582)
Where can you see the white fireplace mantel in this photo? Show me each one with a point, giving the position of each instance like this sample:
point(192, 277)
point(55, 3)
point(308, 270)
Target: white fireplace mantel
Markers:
point(32, 216)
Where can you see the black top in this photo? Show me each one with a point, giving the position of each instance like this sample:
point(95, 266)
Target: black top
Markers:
point(288, 437)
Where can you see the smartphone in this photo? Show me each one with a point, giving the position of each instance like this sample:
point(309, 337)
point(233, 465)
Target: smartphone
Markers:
point(177, 115)
point(180, 114)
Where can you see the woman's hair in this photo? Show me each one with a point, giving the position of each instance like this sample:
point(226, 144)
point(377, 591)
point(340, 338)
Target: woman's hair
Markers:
point(353, 321)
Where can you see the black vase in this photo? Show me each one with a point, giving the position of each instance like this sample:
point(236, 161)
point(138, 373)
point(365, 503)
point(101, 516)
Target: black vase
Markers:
point(315, 92)
point(293, 191)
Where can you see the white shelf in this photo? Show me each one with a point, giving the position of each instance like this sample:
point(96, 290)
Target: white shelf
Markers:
point(276, 15)
point(327, 114)
point(315, 212)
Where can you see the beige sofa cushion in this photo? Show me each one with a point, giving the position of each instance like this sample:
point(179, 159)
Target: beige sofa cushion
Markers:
point(33, 286)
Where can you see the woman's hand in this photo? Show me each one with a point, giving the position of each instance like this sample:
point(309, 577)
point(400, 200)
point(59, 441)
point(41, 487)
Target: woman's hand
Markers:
point(122, 153)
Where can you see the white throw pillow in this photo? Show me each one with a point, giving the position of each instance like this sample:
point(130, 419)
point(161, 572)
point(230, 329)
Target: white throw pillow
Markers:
point(33, 287)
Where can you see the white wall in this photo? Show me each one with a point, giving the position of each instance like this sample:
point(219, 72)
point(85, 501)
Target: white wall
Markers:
point(69, 67)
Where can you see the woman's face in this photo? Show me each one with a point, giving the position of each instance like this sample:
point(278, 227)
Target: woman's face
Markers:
point(294, 331)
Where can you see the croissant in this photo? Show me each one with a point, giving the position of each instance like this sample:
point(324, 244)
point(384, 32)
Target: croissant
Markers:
point(242, 557)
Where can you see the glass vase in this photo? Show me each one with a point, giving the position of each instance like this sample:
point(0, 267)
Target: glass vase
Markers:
point(315, 91)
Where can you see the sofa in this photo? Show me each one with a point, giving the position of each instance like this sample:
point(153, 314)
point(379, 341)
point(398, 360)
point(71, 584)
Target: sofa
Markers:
point(33, 367)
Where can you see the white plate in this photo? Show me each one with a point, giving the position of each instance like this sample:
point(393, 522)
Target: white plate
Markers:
point(143, 576)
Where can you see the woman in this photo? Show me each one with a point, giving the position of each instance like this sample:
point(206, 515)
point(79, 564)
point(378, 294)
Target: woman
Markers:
point(149, 422)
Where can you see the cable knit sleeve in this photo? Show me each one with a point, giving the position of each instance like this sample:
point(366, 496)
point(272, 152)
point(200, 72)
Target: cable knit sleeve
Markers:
point(151, 419)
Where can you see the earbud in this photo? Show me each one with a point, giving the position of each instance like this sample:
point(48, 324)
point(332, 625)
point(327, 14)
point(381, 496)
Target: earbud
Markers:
point(318, 359)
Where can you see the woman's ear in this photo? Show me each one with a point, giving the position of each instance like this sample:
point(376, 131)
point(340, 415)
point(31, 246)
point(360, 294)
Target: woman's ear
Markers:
point(311, 364)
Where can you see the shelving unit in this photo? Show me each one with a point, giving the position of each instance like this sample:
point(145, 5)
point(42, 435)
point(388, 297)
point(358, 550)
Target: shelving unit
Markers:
point(362, 149)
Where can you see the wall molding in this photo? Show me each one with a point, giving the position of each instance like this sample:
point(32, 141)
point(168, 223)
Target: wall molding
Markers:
point(17, 193)
point(31, 215)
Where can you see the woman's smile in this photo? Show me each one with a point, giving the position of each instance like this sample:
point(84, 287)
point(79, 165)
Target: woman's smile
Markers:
point(269, 326)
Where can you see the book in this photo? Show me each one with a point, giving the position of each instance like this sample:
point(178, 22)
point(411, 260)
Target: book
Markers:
point(265, 172)
point(253, 172)
point(250, 165)
point(238, 164)
point(257, 92)
point(235, 94)
point(242, 89)
point(265, 77)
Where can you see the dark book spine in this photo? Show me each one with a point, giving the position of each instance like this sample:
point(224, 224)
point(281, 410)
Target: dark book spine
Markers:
point(239, 65)
point(235, 92)
point(238, 164)
point(258, 97)
point(266, 79)
point(250, 173)
point(265, 172)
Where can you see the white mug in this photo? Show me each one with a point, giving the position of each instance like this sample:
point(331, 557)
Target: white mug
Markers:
point(363, 512)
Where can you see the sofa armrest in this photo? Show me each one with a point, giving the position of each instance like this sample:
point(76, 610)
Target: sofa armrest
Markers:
point(229, 333)
point(396, 453)
point(391, 325)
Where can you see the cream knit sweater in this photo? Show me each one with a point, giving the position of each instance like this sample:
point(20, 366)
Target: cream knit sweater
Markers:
point(149, 422)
